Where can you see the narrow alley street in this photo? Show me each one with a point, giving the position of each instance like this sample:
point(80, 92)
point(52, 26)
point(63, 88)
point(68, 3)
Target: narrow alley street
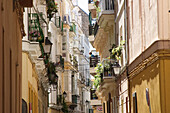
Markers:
point(84, 56)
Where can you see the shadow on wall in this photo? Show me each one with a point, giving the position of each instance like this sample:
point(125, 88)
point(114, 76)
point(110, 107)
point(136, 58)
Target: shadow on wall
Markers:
point(148, 78)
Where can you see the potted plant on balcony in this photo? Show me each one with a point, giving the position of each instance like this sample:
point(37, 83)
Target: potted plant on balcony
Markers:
point(51, 8)
point(116, 51)
point(98, 10)
point(106, 68)
point(34, 35)
point(98, 76)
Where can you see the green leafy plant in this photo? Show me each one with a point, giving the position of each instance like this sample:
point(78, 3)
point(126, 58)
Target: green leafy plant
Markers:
point(52, 8)
point(117, 51)
point(99, 68)
point(99, 71)
point(96, 3)
point(107, 64)
point(97, 81)
point(98, 10)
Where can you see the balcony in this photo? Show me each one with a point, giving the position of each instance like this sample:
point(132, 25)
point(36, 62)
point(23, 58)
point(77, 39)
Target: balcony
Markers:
point(91, 30)
point(108, 71)
point(108, 78)
point(76, 46)
point(35, 31)
point(74, 99)
point(81, 81)
point(106, 6)
point(93, 95)
point(57, 21)
point(88, 82)
point(96, 27)
point(94, 61)
point(73, 27)
point(72, 32)
point(59, 99)
point(74, 102)
point(107, 12)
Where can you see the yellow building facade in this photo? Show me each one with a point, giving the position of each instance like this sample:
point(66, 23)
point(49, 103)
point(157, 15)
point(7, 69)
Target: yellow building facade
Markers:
point(29, 83)
point(152, 75)
point(149, 59)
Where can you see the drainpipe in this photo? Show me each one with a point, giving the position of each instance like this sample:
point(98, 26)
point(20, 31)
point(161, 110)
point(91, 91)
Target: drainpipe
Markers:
point(127, 48)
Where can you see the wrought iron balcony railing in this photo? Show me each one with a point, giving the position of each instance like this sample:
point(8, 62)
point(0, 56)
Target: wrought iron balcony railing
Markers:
point(73, 27)
point(96, 27)
point(106, 5)
point(108, 70)
point(91, 30)
point(93, 95)
point(94, 61)
point(57, 21)
point(88, 82)
point(74, 99)
point(59, 99)
point(35, 30)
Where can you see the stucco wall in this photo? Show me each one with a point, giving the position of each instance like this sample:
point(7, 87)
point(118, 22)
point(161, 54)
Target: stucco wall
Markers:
point(143, 26)
point(29, 80)
point(148, 78)
point(164, 84)
point(10, 59)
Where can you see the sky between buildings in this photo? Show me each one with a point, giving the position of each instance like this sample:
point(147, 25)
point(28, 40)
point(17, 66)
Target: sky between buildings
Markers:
point(83, 4)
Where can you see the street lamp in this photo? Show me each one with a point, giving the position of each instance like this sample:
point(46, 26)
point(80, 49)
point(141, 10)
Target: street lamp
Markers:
point(47, 46)
point(64, 94)
point(116, 68)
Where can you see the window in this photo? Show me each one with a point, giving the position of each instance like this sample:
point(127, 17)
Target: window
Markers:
point(135, 110)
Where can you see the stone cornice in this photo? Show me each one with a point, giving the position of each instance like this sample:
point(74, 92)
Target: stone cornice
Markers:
point(149, 53)
point(144, 64)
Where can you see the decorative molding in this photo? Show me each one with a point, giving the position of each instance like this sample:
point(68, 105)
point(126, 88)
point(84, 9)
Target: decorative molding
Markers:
point(144, 64)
